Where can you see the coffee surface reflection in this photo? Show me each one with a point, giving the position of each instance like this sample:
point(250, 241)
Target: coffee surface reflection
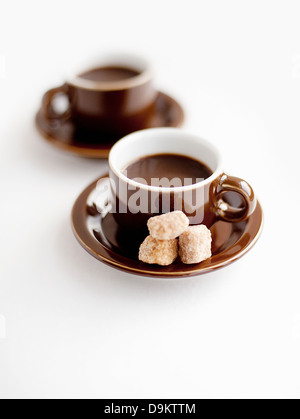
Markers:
point(162, 169)
point(109, 73)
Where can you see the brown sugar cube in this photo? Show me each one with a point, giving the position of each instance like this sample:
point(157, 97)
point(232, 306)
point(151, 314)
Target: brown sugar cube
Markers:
point(158, 252)
point(168, 226)
point(195, 245)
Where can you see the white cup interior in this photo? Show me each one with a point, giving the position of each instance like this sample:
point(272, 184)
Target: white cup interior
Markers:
point(162, 141)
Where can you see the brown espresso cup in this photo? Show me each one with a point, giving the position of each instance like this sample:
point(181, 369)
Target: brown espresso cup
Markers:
point(115, 96)
point(134, 201)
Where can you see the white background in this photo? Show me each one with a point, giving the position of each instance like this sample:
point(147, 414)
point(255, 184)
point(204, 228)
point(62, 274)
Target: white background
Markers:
point(72, 327)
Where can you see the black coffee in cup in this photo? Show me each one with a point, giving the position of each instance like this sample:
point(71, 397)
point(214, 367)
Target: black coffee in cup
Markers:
point(167, 167)
point(109, 73)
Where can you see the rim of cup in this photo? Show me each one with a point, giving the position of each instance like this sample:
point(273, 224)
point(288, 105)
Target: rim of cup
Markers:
point(130, 61)
point(119, 149)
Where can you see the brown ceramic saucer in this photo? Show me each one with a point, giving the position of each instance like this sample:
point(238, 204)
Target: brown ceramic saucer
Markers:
point(67, 136)
point(100, 236)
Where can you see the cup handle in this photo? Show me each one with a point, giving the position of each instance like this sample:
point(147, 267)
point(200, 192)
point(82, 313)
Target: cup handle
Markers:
point(47, 103)
point(225, 211)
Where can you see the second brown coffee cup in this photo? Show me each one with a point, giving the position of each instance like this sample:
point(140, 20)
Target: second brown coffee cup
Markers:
point(114, 95)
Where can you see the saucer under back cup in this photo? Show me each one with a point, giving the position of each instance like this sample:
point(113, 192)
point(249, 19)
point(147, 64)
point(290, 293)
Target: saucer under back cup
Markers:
point(67, 136)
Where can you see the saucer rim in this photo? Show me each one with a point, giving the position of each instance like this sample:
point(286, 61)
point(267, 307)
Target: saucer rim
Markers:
point(100, 153)
point(153, 274)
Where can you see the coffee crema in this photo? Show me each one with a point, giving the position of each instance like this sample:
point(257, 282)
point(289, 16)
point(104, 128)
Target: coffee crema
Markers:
point(109, 74)
point(169, 170)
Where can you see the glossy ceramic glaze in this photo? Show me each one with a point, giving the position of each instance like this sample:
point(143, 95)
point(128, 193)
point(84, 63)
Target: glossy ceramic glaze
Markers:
point(117, 107)
point(201, 202)
point(100, 235)
point(66, 135)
